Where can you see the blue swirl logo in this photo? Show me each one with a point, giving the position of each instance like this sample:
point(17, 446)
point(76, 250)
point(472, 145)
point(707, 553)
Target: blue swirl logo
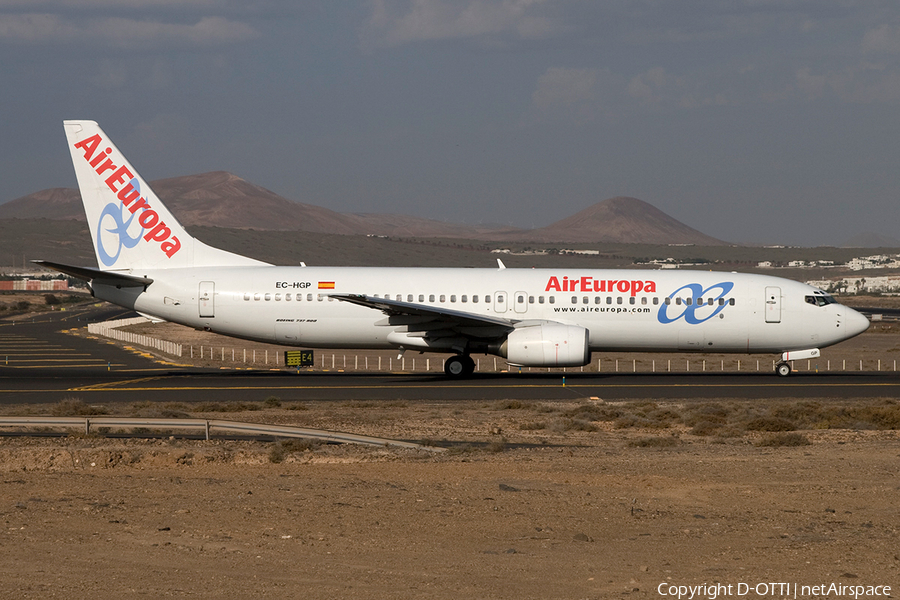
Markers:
point(696, 293)
point(117, 212)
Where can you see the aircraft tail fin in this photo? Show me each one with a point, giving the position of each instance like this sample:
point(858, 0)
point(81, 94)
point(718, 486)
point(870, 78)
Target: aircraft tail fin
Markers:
point(130, 226)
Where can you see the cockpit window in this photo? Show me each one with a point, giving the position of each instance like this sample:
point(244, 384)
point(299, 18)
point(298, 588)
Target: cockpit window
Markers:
point(820, 300)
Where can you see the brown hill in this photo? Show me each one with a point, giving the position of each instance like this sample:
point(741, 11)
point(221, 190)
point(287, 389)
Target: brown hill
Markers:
point(618, 220)
point(221, 199)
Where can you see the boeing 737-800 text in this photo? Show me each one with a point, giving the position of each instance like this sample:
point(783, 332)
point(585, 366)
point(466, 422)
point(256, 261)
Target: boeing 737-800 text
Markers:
point(531, 317)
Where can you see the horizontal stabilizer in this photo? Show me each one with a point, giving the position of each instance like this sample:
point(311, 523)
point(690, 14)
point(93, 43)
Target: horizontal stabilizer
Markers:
point(96, 275)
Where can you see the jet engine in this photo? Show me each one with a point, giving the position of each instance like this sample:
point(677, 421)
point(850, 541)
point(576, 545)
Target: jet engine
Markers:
point(547, 344)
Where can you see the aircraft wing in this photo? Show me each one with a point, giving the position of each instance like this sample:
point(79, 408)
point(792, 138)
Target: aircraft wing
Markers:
point(419, 320)
point(96, 275)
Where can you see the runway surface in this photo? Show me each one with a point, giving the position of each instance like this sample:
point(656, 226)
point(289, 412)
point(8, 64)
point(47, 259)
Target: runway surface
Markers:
point(39, 363)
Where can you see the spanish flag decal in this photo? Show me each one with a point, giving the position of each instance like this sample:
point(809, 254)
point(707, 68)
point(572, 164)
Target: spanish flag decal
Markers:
point(326, 285)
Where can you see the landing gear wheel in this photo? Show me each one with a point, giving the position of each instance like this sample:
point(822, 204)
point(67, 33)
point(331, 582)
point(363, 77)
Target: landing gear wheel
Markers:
point(783, 369)
point(459, 366)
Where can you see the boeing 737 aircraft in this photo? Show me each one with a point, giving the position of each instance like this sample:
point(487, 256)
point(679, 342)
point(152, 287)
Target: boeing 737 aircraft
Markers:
point(531, 317)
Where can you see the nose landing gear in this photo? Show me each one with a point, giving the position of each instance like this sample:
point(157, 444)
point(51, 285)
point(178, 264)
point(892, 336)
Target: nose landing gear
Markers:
point(459, 366)
point(783, 369)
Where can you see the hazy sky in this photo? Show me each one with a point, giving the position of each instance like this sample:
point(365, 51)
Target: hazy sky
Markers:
point(751, 120)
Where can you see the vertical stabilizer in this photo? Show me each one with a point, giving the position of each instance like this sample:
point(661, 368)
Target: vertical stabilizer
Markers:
point(130, 226)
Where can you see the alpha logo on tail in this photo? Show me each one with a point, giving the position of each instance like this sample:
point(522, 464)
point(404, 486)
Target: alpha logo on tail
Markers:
point(152, 227)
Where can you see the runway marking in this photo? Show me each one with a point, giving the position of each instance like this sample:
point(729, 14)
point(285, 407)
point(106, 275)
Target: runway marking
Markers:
point(124, 383)
point(110, 384)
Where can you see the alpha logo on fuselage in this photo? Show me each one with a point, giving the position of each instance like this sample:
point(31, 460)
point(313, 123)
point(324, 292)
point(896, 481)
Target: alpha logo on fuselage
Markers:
point(153, 228)
point(690, 309)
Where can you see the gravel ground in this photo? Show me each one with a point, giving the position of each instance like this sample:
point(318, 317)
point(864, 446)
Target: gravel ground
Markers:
point(526, 503)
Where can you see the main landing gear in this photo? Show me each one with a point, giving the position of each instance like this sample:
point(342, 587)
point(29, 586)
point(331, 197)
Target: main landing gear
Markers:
point(783, 369)
point(459, 366)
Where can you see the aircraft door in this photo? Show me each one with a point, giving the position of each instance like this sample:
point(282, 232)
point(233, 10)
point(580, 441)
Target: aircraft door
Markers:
point(520, 302)
point(500, 302)
point(773, 304)
point(207, 295)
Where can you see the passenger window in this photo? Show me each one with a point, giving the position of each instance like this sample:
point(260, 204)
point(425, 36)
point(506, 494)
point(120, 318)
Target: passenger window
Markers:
point(688, 301)
point(431, 297)
point(443, 298)
point(452, 297)
point(256, 297)
point(731, 301)
point(574, 299)
point(721, 301)
point(268, 297)
point(584, 300)
point(619, 300)
point(475, 298)
point(709, 302)
point(540, 299)
point(699, 301)
point(552, 299)
point(246, 297)
point(530, 299)
point(632, 300)
point(655, 301)
point(463, 298)
point(409, 298)
point(643, 299)
point(287, 297)
point(421, 297)
point(678, 301)
point(320, 297)
point(520, 299)
point(668, 301)
point(277, 297)
point(309, 297)
point(596, 299)
point(609, 299)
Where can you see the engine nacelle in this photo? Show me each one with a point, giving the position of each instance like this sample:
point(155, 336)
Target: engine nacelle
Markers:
point(547, 345)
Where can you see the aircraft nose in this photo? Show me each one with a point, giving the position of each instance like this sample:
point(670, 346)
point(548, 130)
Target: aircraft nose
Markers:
point(855, 322)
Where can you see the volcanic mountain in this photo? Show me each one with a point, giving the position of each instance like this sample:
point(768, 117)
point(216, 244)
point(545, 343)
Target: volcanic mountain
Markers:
point(221, 199)
point(618, 220)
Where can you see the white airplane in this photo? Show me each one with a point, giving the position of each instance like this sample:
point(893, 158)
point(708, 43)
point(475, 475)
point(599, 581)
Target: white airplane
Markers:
point(531, 317)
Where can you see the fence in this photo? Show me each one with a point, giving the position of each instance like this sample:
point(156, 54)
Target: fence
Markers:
point(110, 329)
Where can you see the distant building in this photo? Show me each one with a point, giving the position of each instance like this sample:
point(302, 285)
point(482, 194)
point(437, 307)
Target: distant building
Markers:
point(35, 285)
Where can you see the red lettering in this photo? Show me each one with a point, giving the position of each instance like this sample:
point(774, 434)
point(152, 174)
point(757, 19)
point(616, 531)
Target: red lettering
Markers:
point(128, 194)
point(611, 285)
point(650, 287)
point(141, 203)
point(170, 248)
point(100, 157)
point(107, 166)
point(118, 177)
point(148, 219)
point(636, 286)
point(586, 284)
point(158, 233)
point(565, 284)
point(553, 284)
point(89, 145)
point(599, 285)
point(623, 286)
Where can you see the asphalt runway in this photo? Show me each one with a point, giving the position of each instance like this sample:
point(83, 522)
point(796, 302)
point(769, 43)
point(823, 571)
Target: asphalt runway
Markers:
point(39, 363)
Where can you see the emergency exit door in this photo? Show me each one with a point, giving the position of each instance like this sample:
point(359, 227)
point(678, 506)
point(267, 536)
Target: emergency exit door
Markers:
point(207, 295)
point(773, 305)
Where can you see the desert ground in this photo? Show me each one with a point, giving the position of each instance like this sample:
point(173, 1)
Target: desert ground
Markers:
point(584, 499)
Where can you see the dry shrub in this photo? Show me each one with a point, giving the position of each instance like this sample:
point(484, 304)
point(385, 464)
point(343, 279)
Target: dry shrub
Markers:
point(227, 407)
point(770, 424)
point(75, 407)
point(594, 412)
point(533, 426)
